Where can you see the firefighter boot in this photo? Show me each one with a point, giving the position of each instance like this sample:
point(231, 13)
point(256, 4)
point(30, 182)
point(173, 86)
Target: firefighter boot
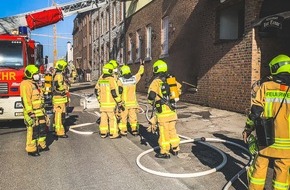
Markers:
point(34, 154)
point(165, 156)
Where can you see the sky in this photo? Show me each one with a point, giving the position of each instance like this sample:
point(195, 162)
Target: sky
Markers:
point(64, 28)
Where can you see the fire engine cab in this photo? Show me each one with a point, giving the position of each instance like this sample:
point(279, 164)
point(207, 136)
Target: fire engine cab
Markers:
point(17, 49)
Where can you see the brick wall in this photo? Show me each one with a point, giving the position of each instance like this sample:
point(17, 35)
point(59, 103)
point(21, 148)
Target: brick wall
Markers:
point(222, 71)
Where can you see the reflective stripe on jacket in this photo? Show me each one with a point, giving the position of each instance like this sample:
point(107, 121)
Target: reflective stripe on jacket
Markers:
point(167, 114)
point(104, 87)
point(270, 97)
point(31, 96)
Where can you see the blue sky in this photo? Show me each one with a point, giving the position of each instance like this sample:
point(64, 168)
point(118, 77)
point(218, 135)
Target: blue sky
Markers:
point(64, 28)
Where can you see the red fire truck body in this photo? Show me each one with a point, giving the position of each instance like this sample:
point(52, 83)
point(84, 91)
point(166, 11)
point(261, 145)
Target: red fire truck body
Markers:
point(17, 50)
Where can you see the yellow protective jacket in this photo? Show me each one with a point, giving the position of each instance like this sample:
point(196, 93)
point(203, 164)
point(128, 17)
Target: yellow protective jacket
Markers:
point(60, 89)
point(128, 86)
point(269, 97)
point(107, 93)
point(32, 98)
point(167, 113)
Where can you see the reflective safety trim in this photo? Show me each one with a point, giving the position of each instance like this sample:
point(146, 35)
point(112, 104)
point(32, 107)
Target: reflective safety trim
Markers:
point(59, 100)
point(38, 112)
point(268, 109)
point(257, 181)
point(174, 140)
point(107, 105)
point(279, 145)
point(282, 140)
point(279, 185)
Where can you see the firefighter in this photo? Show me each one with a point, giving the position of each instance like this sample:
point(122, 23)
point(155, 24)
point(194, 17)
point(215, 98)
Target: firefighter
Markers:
point(127, 89)
point(115, 65)
point(160, 96)
point(34, 114)
point(60, 98)
point(269, 117)
point(106, 91)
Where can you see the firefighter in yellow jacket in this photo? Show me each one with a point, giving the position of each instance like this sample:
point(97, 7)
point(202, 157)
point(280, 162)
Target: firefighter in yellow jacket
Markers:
point(127, 89)
point(34, 114)
point(60, 98)
point(106, 91)
point(269, 117)
point(163, 99)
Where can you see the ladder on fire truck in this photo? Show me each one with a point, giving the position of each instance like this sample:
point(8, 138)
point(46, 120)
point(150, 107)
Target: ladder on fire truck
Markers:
point(47, 16)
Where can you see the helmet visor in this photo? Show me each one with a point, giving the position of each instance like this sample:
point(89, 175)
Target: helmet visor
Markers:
point(275, 67)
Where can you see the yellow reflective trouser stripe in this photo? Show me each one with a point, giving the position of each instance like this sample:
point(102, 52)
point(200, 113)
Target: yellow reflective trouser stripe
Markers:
point(257, 181)
point(268, 109)
point(59, 100)
point(164, 143)
point(103, 128)
point(122, 126)
point(280, 146)
point(175, 140)
point(279, 185)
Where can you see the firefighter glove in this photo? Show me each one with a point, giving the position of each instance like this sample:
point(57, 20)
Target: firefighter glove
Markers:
point(252, 144)
point(121, 106)
point(31, 119)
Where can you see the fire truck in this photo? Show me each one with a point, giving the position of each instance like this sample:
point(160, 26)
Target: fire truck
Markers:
point(17, 49)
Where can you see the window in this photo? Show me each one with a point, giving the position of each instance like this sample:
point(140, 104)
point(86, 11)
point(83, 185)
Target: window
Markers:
point(138, 46)
point(231, 22)
point(164, 35)
point(102, 24)
point(148, 42)
point(130, 44)
point(107, 19)
point(114, 14)
point(121, 11)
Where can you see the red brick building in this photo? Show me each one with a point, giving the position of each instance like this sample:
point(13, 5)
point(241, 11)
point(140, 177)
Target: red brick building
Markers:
point(221, 46)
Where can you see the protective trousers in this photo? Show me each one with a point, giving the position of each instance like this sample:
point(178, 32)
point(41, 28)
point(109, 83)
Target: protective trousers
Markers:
point(258, 172)
point(59, 113)
point(129, 114)
point(168, 138)
point(36, 134)
point(108, 124)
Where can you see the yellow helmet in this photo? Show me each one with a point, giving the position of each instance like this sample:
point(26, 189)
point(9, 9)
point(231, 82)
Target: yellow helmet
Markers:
point(114, 63)
point(280, 64)
point(61, 65)
point(30, 70)
point(108, 69)
point(159, 66)
point(125, 70)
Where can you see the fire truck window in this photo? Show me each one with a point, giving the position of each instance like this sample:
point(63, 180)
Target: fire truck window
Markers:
point(11, 54)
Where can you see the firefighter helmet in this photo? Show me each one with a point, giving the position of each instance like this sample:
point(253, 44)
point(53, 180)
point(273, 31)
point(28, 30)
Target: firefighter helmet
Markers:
point(61, 65)
point(30, 70)
point(108, 69)
point(125, 70)
point(114, 63)
point(280, 64)
point(159, 66)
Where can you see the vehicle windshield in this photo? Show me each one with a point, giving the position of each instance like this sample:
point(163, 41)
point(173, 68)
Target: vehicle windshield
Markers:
point(11, 54)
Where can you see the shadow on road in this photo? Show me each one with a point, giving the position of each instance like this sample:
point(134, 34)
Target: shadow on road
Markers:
point(147, 138)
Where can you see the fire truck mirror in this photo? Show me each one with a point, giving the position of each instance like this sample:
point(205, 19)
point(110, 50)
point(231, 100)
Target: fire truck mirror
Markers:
point(39, 54)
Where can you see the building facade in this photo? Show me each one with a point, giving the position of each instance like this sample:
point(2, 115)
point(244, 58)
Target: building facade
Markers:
point(220, 46)
point(82, 43)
